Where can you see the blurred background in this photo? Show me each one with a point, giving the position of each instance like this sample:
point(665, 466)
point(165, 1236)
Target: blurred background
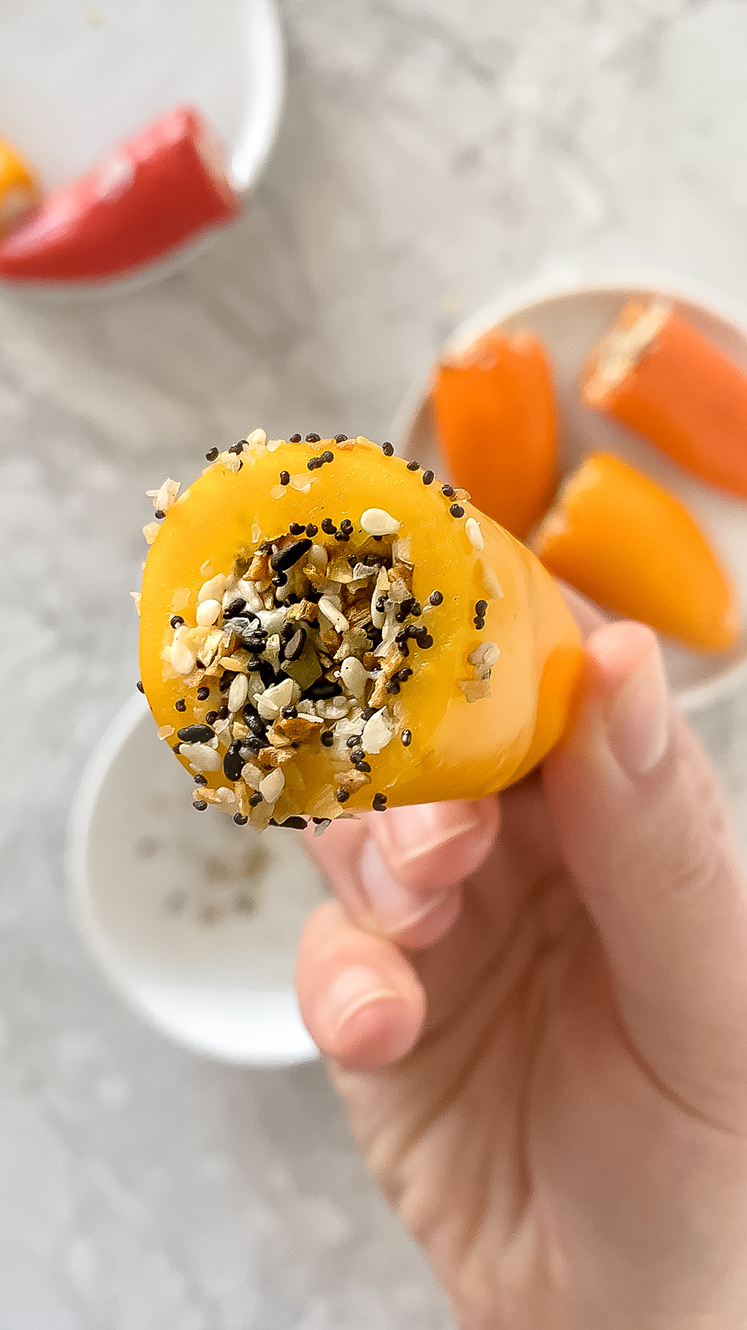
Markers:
point(431, 156)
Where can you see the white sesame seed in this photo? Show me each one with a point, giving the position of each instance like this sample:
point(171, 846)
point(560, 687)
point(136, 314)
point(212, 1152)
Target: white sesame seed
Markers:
point(183, 658)
point(492, 585)
point(317, 556)
point(238, 692)
point(272, 444)
point(212, 589)
point(353, 676)
point(378, 522)
point(207, 613)
point(271, 787)
point(257, 436)
point(166, 496)
point(150, 531)
point(486, 654)
point(225, 794)
point(475, 534)
point(200, 757)
point(377, 732)
point(232, 462)
point(136, 600)
point(334, 614)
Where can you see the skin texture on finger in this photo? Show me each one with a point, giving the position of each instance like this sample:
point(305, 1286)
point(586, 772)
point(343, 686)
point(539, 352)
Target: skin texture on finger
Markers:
point(398, 873)
point(360, 999)
point(642, 823)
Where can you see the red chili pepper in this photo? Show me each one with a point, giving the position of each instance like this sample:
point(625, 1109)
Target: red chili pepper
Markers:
point(141, 199)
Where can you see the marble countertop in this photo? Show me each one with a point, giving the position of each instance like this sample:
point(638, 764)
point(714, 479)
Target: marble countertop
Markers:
point(432, 155)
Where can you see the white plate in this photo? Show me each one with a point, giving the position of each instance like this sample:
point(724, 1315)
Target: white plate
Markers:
point(194, 920)
point(570, 315)
point(78, 76)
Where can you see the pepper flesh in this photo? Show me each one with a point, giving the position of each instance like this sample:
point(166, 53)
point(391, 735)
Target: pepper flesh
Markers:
point(19, 188)
point(496, 421)
point(655, 373)
point(143, 198)
point(630, 546)
point(459, 749)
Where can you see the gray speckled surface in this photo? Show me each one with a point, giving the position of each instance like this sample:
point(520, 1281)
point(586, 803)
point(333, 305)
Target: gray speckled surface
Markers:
point(432, 155)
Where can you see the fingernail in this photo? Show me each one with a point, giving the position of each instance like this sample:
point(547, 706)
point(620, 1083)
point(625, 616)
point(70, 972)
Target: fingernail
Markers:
point(352, 990)
point(418, 830)
point(393, 904)
point(638, 719)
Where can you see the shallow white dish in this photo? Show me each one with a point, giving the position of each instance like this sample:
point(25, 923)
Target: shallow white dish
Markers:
point(570, 314)
point(77, 78)
point(194, 920)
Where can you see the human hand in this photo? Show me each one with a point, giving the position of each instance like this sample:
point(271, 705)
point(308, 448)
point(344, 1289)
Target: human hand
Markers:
point(540, 1036)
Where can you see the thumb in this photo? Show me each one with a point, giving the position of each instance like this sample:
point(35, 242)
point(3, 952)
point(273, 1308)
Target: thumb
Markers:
point(644, 832)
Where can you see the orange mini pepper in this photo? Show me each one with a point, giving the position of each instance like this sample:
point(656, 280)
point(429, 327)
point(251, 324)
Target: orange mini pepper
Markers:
point(654, 372)
point(299, 644)
point(19, 189)
point(630, 545)
point(497, 425)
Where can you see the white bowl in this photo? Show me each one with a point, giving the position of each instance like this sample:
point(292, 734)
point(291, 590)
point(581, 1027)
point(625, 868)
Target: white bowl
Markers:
point(193, 919)
point(77, 79)
point(570, 314)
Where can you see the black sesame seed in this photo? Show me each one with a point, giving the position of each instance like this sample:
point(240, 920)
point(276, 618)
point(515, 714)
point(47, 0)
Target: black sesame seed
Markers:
point(327, 456)
point(311, 529)
point(139, 686)
point(203, 694)
point(314, 463)
point(313, 438)
point(428, 477)
point(402, 676)
point(328, 738)
point(294, 438)
point(233, 761)
point(417, 609)
point(240, 819)
point(456, 510)
point(254, 722)
point(176, 748)
point(255, 799)
point(387, 449)
point(341, 438)
point(237, 447)
point(342, 536)
point(195, 734)
point(289, 712)
point(236, 609)
point(285, 478)
point(354, 741)
point(159, 514)
point(481, 607)
point(223, 712)
point(199, 805)
point(436, 598)
point(328, 526)
point(393, 687)
point(448, 490)
point(211, 717)
point(294, 823)
point(200, 779)
point(347, 526)
point(478, 621)
point(176, 621)
point(226, 681)
point(180, 704)
point(295, 529)
point(290, 554)
point(342, 796)
point(379, 803)
point(413, 466)
point(425, 642)
point(368, 712)
point(238, 468)
point(296, 644)
point(279, 580)
point(406, 737)
point(212, 454)
point(323, 688)
point(363, 766)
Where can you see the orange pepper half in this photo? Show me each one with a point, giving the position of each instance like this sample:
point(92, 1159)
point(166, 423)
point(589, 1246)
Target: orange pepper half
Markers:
point(497, 425)
point(654, 372)
point(19, 189)
point(486, 654)
point(629, 545)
